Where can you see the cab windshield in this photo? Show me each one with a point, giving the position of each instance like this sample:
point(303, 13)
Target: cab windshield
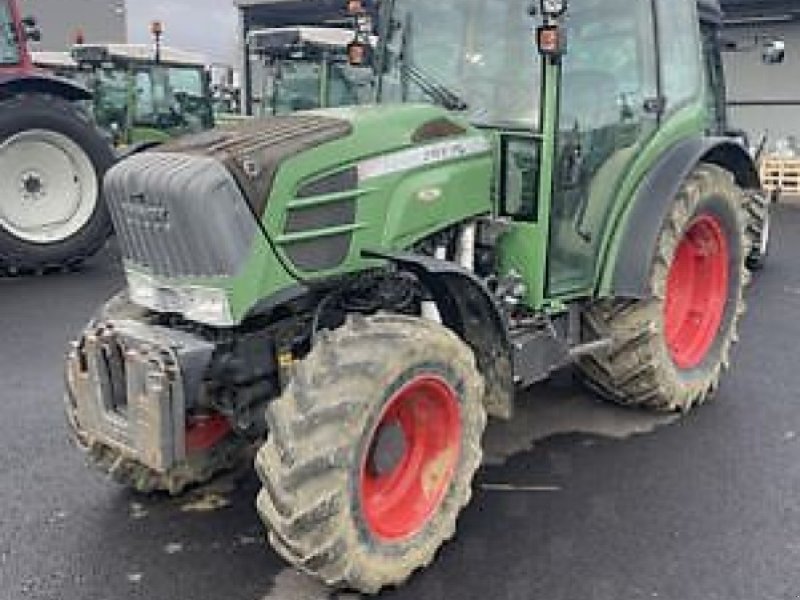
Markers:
point(9, 45)
point(475, 56)
point(111, 98)
point(308, 84)
point(171, 97)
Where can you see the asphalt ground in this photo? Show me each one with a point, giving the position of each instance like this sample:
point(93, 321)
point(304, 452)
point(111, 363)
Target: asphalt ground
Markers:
point(578, 501)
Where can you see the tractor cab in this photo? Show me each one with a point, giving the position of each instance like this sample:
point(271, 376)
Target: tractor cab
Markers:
point(578, 120)
point(144, 97)
point(306, 68)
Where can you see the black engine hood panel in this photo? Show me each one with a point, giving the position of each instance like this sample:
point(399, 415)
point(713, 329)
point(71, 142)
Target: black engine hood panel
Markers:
point(253, 151)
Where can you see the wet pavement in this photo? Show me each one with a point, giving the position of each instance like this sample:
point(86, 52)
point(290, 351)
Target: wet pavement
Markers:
point(578, 500)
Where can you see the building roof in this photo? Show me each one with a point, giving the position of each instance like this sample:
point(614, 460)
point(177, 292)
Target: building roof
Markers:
point(763, 8)
point(281, 13)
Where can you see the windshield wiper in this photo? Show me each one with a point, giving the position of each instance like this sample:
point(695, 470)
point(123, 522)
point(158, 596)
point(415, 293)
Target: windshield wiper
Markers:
point(439, 92)
point(429, 85)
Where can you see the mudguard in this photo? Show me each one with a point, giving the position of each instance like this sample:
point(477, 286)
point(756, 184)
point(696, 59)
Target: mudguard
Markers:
point(469, 309)
point(42, 83)
point(631, 271)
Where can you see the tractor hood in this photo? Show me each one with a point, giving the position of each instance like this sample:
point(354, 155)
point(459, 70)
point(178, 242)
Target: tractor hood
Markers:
point(270, 205)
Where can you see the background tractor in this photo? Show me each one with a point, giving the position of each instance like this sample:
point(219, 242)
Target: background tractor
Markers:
point(142, 95)
point(306, 68)
point(52, 160)
point(357, 289)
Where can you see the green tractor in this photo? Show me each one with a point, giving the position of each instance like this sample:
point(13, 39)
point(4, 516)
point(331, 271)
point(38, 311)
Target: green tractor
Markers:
point(141, 97)
point(306, 68)
point(355, 290)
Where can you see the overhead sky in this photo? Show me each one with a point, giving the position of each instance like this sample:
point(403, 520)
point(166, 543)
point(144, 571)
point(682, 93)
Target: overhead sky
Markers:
point(206, 26)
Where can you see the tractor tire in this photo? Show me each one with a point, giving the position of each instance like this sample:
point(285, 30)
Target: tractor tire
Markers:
point(670, 350)
point(759, 215)
point(371, 451)
point(52, 162)
point(197, 469)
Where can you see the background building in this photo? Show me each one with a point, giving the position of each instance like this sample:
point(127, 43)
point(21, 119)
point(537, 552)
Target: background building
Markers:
point(59, 20)
point(764, 99)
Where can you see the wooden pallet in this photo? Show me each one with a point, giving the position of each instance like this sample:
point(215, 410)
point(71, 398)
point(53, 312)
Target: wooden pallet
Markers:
point(781, 175)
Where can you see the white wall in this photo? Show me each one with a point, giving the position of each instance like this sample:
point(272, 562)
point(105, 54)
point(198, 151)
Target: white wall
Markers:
point(750, 80)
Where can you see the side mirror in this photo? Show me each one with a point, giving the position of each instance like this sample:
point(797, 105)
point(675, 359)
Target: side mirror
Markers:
point(30, 29)
point(553, 9)
point(774, 52)
point(359, 51)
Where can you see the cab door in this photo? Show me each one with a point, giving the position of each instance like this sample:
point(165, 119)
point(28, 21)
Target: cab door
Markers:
point(609, 109)
point(715, 80)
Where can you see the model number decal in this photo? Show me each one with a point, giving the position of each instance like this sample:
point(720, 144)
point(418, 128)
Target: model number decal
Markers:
point(422, 157)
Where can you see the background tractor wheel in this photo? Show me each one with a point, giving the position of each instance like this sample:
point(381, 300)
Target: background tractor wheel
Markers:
point(759, 211)
point(669, 351)
point(52, 161)
point(371, 451)
point(204, 460)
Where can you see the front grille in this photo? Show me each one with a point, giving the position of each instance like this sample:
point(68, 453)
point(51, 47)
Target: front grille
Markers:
point(179, 215)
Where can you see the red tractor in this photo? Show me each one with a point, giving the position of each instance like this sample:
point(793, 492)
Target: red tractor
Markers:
point(52, 160)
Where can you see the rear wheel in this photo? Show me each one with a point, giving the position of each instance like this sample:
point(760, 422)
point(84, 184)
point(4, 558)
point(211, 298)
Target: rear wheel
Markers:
point(670, 350)
point(52, 160)
point(371, 451)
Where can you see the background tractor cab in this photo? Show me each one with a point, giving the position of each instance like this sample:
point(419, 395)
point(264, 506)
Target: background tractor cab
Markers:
point(145, 96)
point(306, 68)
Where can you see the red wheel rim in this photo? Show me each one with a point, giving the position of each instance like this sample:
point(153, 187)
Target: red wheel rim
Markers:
point(403, 486)
point(697, 292)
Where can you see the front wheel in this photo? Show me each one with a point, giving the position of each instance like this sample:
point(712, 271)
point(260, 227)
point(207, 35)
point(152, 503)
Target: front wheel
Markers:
point(371, 451)
point(670, 350)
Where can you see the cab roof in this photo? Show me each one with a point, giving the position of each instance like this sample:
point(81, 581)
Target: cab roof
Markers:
point(135, 52)
point(50, 59)
point(277, 38)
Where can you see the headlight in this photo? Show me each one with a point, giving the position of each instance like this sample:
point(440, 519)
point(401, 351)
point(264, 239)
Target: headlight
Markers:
point(203, 305)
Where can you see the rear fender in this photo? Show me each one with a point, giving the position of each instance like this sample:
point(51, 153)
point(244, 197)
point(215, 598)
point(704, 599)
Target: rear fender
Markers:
point(42, 83)
point(630, 272)
point(468, 309)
